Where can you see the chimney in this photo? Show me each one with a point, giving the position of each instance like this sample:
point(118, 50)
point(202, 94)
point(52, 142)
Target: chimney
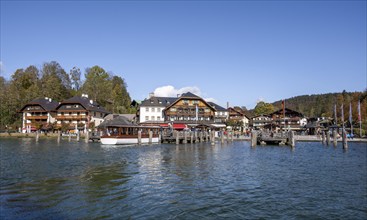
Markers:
point(151, 95)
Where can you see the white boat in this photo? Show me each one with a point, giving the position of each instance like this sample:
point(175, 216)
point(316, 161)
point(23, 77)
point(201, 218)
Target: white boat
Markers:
point(121, 131)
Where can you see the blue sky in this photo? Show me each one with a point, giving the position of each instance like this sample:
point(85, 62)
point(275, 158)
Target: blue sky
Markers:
point(230, 51)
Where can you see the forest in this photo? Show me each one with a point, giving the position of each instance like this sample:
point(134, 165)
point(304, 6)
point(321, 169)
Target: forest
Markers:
point(51, 80)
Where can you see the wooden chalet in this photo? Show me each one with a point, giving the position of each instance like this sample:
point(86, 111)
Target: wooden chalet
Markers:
point(38, 111)
point(189, 108)
point(80, 111)
point(260, 122)
point(287, 119)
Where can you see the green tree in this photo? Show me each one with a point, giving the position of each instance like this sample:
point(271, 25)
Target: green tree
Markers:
point(263, 108)
point(97, 85)
point(55, 81)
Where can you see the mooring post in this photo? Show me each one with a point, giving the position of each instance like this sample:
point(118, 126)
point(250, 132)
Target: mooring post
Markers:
point(213, 138)
point(328, 138)
point(291, 139)
point(185, 137)
point(37, 136)
point(323, 137)
point(253, 139)
point(150, 137)
point(345, 142)
point(69, 136)
point(335, 138)
point(227, 136)
point(139, 137)
point(191, 137)
point(232, 133)
point(201, 136)
point(221, 136)
point(177, 137)
point(78, 136)
point(58, 136)
point(196, 137)
point(87, 137)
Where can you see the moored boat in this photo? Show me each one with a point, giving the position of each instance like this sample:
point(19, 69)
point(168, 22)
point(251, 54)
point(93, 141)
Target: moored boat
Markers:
point(121, 131)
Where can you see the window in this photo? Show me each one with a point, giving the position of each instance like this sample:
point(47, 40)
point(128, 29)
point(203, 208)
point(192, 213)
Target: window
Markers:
point(147, 109)
point(146, 118)
point(68, 106)
point(153, 118)
point(158, 109)
point(153, 109)
point(158, 118)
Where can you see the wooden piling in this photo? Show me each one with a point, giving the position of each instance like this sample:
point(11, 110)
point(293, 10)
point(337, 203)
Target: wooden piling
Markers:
point(201, 136)
point(69, 137)
point(232, 133)
point(335, 138)
point(213, 138)
point(177, 137)
point(150, 137)
point(87, 137)
point(345, 142)
point(185, 137)
point(222, 137)
point(139, 137)
point(253, 139)
point(327, 138)
point(323, 137)
point(191, 137)
point(291, 139)
point(37, 136)
point(58, 136)
point(78, 136)
point(227, 136)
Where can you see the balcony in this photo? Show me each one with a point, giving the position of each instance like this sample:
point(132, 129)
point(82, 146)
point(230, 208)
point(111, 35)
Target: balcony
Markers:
point(36, 117)
point(71, 117)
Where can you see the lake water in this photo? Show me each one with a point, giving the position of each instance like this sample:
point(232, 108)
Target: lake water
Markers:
point(234, 181)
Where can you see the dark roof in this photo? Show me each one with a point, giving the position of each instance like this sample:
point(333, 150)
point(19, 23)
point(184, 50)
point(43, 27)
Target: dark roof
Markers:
point(287, 111)
point(120, 121)
point(85, 102)
point(158, 101)
point(46, 104)
point(189, 95)
point(217, 107)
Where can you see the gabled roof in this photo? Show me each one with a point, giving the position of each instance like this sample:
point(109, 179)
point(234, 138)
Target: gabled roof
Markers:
point(217, 107)
point(85, 102)
point(189, 95)
point(287, 111)
point(46, 104)
point(158, 101)
point(120, 121)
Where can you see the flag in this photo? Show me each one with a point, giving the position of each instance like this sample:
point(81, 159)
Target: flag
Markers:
point(359, 111)
point(342, 113)
point(335, 116)
point(350, 113)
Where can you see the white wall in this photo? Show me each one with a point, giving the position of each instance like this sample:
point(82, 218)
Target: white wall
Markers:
point(153, 111)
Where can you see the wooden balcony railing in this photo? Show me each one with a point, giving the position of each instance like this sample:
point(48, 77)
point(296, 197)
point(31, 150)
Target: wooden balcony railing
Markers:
point(71, 117)
point(36, 117)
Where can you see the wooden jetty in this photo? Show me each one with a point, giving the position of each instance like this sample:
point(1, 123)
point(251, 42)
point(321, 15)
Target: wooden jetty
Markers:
point(183, 137)
point(266, 138)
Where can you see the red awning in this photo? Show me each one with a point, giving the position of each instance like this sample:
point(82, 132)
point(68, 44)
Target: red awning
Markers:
point(164, 125)
point(179, 126)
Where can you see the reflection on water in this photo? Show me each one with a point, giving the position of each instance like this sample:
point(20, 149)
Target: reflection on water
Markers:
point(82, 181)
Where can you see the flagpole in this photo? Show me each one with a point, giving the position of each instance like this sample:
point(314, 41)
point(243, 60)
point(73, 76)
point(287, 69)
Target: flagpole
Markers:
point(350, 119)
point(360, 119)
